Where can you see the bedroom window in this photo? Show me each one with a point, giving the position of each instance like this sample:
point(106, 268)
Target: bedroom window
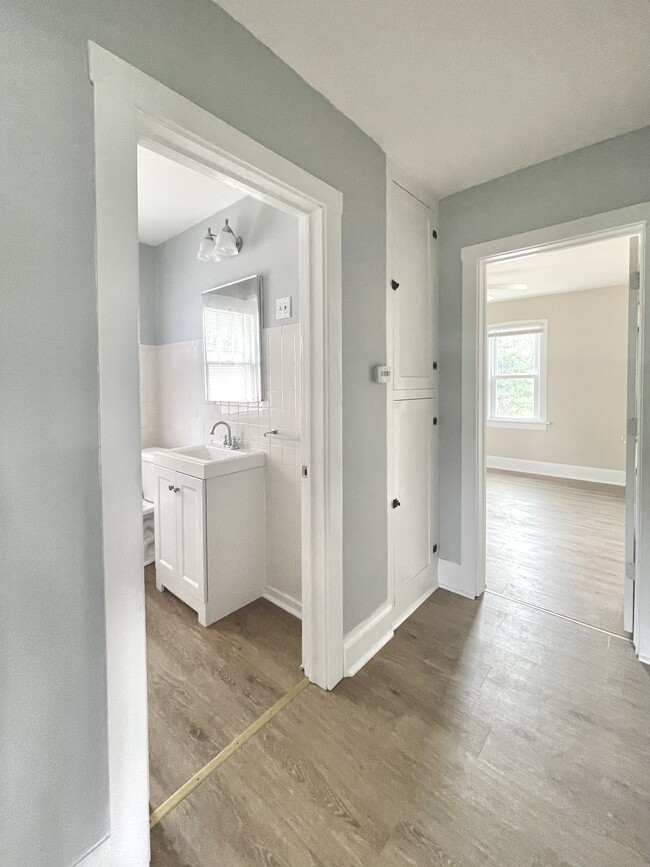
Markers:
point(517, 375)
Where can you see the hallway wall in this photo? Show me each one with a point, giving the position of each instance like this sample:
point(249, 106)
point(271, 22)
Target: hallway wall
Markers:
point(53, 638)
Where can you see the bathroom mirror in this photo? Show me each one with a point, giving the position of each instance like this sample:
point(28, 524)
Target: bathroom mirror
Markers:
point(232, 334)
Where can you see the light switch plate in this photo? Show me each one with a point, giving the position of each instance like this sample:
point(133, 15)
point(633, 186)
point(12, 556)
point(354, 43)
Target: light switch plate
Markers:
point(283, 308)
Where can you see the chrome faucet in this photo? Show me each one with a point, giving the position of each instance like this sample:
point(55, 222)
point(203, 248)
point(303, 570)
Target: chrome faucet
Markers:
point(229, 441)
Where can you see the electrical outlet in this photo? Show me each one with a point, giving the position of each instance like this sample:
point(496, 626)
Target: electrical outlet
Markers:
point(283, 308)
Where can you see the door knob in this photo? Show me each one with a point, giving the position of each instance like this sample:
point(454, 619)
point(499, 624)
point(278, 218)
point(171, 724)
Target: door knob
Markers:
point(176, 490)
point(171, 487)
point(396, 503)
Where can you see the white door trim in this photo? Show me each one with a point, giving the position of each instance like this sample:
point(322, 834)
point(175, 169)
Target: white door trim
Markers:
point(131, 107)
point(622, 222)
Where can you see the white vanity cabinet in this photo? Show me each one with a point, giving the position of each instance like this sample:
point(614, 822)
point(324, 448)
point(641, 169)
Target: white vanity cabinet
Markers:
point(210, 535)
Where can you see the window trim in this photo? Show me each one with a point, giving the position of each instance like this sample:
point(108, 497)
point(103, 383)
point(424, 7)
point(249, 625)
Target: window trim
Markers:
point(540, 421)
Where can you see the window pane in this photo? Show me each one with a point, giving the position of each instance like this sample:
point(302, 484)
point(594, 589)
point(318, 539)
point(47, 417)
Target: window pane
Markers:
point(515, 398)
point(516, 353)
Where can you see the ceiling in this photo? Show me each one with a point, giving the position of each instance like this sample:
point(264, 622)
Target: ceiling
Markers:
point(588, 266)
point(460, 93)
point(171, 197)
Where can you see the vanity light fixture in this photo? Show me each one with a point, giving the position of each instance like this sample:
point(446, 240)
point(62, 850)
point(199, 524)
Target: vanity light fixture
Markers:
point(224, 243)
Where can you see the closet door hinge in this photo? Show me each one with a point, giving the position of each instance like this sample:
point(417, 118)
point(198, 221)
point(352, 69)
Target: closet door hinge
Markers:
point(435, 234)
point(630, 572)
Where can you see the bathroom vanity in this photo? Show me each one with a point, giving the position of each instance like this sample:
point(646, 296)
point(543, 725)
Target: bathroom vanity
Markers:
point(209, 527)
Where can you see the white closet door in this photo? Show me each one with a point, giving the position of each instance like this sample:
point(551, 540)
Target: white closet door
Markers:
point(190, 520)
point(409, 234)
point(414, 512)
point(165, 527)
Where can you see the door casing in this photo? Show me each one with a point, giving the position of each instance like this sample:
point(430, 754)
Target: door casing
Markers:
point(624, 222)
point(130, 107)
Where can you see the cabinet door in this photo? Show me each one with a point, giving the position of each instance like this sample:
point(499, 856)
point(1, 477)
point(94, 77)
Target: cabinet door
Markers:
point(165, 527)
point(190, 536)
point(409, 237)
point(414, 513)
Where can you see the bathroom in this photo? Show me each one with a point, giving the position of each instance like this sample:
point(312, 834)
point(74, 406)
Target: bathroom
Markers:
point(217, 663)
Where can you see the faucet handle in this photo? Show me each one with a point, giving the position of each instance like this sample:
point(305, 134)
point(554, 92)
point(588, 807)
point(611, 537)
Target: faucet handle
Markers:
point(236, 442)
point(225, 441)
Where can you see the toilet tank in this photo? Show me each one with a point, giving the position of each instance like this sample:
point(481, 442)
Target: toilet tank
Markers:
point(148, 485)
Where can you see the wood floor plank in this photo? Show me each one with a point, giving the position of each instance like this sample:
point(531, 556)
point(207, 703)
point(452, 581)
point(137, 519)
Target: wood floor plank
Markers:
point(207, 685)
point(485, 734)
point(559, 544)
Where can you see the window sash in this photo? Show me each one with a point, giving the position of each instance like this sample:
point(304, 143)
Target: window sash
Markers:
point(537, 375)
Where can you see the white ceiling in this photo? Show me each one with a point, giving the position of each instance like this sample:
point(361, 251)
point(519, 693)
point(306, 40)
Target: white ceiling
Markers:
point(457, 93)
point(589, 266)
point(171, 197)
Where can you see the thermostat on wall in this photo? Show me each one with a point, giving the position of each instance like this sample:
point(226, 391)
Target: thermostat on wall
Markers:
point(382, 374)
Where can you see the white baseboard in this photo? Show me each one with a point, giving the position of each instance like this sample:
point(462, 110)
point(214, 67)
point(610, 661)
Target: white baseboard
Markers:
point(98, 856)
point(450, 577)
point(413, 606)
point(284, 601)
point(558, 471)
point(366, 639)
point(411, 595)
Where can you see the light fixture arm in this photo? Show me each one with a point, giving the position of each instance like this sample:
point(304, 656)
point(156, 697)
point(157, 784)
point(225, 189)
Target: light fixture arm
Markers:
point(238, 240)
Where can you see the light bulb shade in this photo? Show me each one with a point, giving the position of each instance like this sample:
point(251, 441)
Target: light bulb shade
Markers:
point(207, 252)
point(225, 242)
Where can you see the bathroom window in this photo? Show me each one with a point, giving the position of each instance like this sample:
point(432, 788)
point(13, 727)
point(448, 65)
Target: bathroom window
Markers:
point(517, 375)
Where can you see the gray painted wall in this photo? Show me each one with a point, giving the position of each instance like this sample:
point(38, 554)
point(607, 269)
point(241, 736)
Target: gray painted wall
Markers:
point(148, 319)
point(603, 177)
point(270, 249)
point(53, 657)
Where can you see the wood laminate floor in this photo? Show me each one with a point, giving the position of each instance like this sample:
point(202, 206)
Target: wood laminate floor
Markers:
point(207, 685)
point(485, 733)
point(558, 544)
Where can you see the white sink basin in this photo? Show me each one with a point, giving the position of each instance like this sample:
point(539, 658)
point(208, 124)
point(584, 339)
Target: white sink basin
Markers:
point(206, 462)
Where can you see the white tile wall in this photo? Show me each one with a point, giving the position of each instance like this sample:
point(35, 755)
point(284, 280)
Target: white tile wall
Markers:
point(175, 413)
point(149, 396)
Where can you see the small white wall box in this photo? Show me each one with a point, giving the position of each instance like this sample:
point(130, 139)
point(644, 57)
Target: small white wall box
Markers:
point(382, 374)
point(283, 308)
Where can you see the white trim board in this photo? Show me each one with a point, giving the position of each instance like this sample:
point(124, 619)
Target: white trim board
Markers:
point(98, 856)
point(283, 600)
point(131, 107)
point(557, 471)
point(367, 639)
point(624, 222)
point(450, 577)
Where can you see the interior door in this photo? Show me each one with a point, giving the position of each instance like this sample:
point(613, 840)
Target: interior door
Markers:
point(165, 527)
point(190, 546)
point(631, 468)
point(413, 503)
point(409, 235)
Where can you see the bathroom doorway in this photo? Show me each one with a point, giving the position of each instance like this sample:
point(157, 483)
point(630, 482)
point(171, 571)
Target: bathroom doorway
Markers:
point(220, 410)
point(131, 109)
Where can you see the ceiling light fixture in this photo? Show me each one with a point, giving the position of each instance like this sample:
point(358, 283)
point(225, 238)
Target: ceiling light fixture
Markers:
point(224, 243)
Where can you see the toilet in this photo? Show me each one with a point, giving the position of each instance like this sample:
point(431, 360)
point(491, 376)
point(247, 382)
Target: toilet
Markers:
point(148, 488)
